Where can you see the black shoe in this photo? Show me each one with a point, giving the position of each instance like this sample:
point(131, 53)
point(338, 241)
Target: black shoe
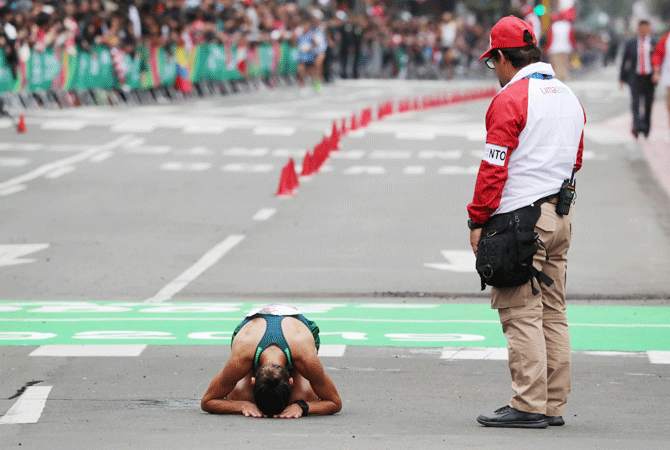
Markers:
point(555, 421)
point(508, 417)
point(635, 133)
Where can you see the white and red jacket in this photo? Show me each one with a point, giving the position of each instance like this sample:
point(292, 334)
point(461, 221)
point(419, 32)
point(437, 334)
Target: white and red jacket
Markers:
point(661, 58)
point(560, 38)
point(534, 137)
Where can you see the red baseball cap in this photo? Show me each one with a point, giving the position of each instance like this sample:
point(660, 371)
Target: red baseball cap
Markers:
point(508, 33)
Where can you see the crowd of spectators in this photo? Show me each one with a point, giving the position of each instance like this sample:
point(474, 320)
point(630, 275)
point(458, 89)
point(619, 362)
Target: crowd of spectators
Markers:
point(374, 40)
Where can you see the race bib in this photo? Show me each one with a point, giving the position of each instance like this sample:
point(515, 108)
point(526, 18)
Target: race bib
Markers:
point(495, 154)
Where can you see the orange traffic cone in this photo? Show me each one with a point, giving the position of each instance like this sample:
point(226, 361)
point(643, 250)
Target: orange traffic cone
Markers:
point(21, 126)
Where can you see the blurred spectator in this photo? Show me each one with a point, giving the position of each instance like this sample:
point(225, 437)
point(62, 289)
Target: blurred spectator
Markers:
point(560, 45)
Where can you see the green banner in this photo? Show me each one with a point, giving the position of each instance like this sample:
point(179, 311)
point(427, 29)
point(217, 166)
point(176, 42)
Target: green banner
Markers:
point(149, 67)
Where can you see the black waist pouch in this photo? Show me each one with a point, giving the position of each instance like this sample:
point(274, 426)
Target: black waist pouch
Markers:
point(506, 249)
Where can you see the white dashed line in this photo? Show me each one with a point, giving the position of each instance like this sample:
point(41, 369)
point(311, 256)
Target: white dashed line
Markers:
point(390, 154)
point(437, 154)
point(247, 168)
point(245, 152)
point(332, 350)
point(458, 170)
point(359, 170)
point(69, 125)
point(414, 170)
point(13, 162)
point(104, 350)
point(186, 167)
point(264, 214)
point(28, 408)
point(274, 131)
point(658, 357)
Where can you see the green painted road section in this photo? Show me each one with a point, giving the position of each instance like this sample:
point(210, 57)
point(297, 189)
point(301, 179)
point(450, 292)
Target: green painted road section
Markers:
point(597, 328)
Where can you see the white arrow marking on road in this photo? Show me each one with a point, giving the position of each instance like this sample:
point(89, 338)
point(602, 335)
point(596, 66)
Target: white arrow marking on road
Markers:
point(459, 261)
point(10, 255)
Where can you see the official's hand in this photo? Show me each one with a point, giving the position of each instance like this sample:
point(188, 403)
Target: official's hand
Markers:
point(620, 84)
point(655, 77)
point(292, 411)
point(251, 410)
point(475, 236)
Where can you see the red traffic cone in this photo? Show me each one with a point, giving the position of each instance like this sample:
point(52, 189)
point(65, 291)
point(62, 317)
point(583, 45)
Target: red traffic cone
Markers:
point(21, 126)
point(284, 184)
point(293, 176)
point(354, 126)
point(344, 127)
point(307, 165)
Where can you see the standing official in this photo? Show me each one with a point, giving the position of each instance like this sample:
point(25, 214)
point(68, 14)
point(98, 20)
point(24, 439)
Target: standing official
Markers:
point(636, 71)
point(534, 142)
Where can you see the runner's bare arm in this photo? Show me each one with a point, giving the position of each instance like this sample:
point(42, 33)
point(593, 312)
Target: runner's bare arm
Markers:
point(309, 366)
point(215, 400)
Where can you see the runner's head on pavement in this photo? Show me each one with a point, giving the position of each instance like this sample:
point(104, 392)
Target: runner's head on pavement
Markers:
point(510, 32)
point(272, 389)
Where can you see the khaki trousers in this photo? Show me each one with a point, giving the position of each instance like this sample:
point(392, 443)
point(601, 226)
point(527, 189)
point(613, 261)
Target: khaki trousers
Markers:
point(536, 326)
point(560, 62)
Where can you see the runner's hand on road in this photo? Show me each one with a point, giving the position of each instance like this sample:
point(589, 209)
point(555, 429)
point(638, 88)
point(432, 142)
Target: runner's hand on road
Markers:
point(251, 410)
point(292, 411)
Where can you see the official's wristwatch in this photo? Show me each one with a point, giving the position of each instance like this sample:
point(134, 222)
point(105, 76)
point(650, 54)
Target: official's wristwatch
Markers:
point(304, 406)
point(474, 225)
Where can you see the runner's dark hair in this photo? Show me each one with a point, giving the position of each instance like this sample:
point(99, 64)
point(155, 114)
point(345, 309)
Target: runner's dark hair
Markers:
point(272, 389)
point(521, 56)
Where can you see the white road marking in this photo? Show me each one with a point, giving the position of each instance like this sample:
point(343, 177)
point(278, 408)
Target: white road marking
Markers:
point(22, 146)
point(247, 168)
point(89, 350)
point(348, 154)
point(357, 133)
point(274, 131)
point(369, 170)
point(415, 135)
point(492, 353)
point(245, 152)
point(204, 129)
point(414, 170)
point(264, 213)
point(332, 350)
point(71, 125)
point(50, 167)
point(28, 408)
point(289, 153)
point(658, 357)
point(11, 254)
point(150, 149)
point(432, 154)
point(458, 261)
point(100, 157)
point(12, 190)
point(208, 259)
point(390, 154)
point(134, 143)
point(195, 151)
point(134, 126)
point(186, 167)
point(458, 170)
point(13, 162)
point(59, 172)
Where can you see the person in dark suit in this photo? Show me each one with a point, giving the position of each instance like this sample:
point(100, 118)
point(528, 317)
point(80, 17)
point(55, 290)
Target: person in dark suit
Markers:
point(636, 71)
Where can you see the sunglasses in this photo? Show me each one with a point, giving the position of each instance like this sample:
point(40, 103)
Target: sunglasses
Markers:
point(489, 62)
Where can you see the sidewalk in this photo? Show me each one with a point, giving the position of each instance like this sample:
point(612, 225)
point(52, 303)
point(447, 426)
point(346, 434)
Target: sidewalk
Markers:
point(656, 148)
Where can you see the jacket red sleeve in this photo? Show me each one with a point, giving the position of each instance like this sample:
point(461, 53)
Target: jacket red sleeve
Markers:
point(659, 52)
point(505, 120)
point(580, 150)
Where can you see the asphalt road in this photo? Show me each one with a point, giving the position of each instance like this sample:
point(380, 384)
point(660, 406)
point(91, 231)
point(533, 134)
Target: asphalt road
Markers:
point(175, 204)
